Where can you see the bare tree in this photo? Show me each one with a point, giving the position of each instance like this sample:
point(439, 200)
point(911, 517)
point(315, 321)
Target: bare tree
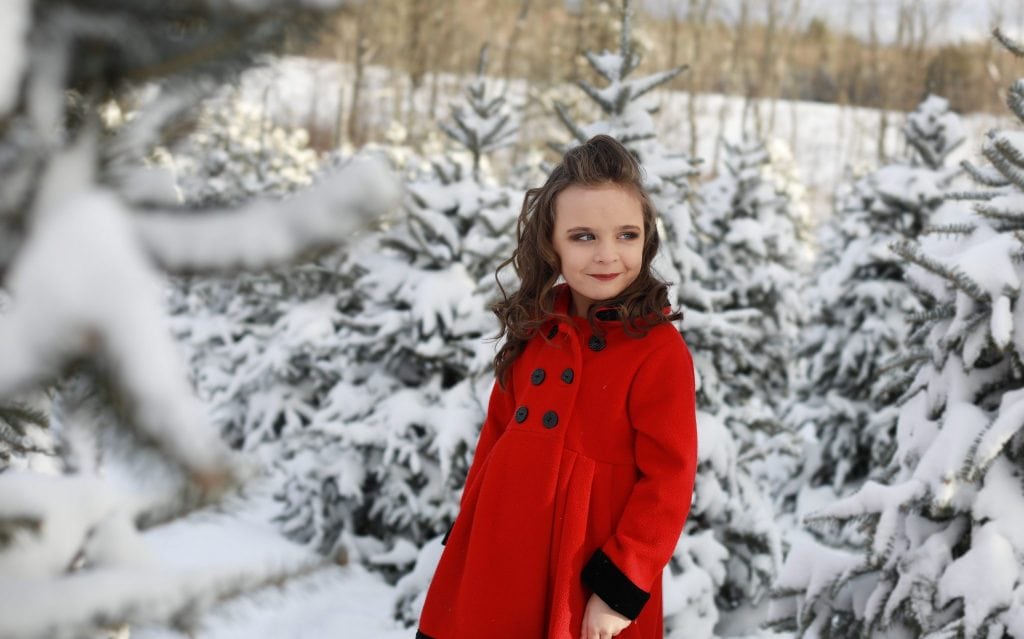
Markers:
point(697, 19)
point(736, 67)
point(513, 38)
point(361, 55)
point(790, 25)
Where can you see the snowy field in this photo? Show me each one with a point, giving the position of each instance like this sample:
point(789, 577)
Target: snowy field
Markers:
point(826, 142)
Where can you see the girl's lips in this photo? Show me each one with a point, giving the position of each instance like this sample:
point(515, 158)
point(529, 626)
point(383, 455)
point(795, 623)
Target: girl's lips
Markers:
point(605, 277)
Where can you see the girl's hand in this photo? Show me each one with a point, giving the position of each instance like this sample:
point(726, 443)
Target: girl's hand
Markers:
point(600, 621)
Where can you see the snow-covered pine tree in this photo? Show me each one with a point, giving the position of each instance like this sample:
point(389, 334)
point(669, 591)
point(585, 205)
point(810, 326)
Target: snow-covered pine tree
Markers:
point(627, 109)
point(731, 548)
point(93, 232)
point(237, 152)
point(944, 530)
point(254, 340)
point(24, 436)
point(860, 304)
point(376, 467)
point(484, 122)
point(755, 254)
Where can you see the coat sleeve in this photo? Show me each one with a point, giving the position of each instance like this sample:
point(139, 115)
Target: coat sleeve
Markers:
point(662, 410)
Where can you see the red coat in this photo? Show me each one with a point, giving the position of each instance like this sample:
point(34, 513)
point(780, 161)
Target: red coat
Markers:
point(581, 482)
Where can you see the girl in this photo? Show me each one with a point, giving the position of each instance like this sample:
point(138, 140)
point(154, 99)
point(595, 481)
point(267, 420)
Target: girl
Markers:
point(583, 474)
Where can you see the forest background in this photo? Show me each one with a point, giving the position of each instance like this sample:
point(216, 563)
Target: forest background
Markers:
point(881, 54)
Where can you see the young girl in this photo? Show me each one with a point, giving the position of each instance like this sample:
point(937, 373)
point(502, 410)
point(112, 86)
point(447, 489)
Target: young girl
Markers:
point(583, 474)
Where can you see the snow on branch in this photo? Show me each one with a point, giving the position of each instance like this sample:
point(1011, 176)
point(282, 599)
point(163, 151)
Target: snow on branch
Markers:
point(122, 576)
point(912, 253)
point(1003, 151)
point(269, 232)
point(82, 289)
point(986, 176)
point(655, 80)
point(1011, 45)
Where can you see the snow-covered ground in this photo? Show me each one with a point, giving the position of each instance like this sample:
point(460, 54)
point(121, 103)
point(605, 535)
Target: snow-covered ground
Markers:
point(335, 601)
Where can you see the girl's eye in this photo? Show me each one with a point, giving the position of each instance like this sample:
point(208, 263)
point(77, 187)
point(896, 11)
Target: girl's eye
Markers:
point(583, 237)
point(630, 235)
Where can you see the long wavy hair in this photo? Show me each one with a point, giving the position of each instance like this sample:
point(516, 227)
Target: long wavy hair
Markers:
point(600, 161)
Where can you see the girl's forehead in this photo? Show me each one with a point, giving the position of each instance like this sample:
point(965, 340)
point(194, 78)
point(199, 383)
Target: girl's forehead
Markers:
point(602, 204)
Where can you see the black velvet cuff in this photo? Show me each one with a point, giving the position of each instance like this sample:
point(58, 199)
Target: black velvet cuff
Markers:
point(613, 586)
point(447, 534)
point(420, 635)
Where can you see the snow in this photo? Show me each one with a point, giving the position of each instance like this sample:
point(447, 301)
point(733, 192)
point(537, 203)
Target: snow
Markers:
point(153, 576)
point(81, 285)
point(983, 577)
point(338, 601)
point(1007, 423)
point(988, 259)
point(266, 232)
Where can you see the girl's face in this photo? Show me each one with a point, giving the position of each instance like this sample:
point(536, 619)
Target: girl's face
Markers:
point(599, 239)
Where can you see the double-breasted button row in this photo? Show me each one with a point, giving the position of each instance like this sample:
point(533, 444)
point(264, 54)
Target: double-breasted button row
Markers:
point(550, 418)
point(538, 376)
point(596, 343)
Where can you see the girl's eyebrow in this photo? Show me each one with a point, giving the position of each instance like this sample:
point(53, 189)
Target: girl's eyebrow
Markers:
point(625, 227)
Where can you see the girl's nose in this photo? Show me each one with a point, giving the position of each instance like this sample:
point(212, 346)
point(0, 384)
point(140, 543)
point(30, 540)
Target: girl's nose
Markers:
point(605, 253)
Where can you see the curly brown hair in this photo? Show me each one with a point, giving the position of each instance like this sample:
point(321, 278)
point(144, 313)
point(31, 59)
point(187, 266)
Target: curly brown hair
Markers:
point(601, 160)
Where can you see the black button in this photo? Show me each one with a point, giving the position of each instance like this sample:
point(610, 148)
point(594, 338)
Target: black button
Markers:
point(596, 343)
point(567, 376)
point(550, 419)
point(521, 414)
point(553, 332)
point(537, 377)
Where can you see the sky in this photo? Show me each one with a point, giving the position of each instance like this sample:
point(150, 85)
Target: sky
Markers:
point(968, 19)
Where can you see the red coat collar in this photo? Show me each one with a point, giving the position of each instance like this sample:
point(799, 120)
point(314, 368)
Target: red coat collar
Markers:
point(604, 315)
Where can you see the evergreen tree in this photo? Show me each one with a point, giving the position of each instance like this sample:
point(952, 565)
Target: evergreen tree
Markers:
point(95, 230)
point(751, 239)
point(731, 547)
point(861, 303)
point(237, 153)
point(484, 122)
point(362, 376)
point(754, 250)
point(943, 531)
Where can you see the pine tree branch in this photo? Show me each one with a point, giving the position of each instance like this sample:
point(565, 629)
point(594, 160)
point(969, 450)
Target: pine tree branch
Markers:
point(1015, 99)
point(910, 253)
point(574, 129)
point(651, 82)
point(609, 108)
point(1008, 43)
point(949, 229)
point(984, 175)
point(997, 151)
point(956, 196)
